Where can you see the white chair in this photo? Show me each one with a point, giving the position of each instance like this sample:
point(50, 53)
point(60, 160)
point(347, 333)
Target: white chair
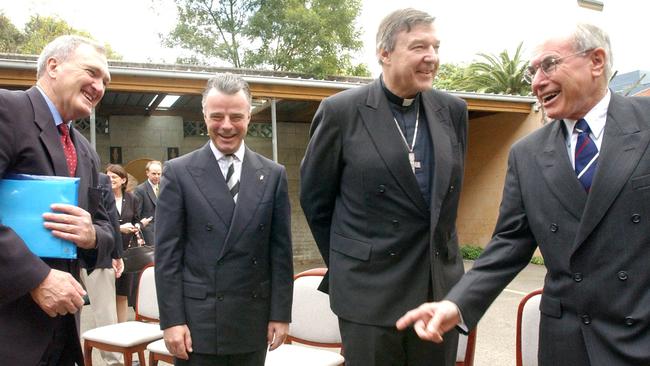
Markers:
point(132, 336)
point(159, 352)
point(528, 316)
point(313, 327)
point(466, 346)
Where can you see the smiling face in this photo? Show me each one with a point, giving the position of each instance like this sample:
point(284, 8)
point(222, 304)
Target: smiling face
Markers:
point(76, 84)
point(153, 173)
point(576, 85)
point(412, 65)
point(226, 117)
point(116, 181)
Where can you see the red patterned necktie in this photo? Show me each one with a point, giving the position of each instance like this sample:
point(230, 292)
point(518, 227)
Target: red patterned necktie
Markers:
point(68, 149)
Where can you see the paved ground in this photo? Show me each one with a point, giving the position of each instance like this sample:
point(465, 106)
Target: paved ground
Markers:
point(495, 344)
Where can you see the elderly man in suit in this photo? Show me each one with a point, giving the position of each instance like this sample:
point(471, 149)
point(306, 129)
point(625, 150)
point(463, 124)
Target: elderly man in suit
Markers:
point(224, 269)
point(579, 190)
point(148, 192)
point(40, 297)
point(380, 189)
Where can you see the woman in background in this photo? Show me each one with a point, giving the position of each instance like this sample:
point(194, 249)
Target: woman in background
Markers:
point(128, 207)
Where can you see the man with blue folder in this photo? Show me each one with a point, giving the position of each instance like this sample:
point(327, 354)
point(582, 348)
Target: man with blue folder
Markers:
point(40, 297)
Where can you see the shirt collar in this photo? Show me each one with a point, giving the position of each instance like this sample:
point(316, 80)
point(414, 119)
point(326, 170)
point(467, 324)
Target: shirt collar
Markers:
point(596, 117)
point(239, 154)
point(396, 99)
point(55, 113)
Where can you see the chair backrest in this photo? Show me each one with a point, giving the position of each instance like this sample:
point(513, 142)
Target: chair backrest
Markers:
point(528, 316)
point(146, 307)
point(466, 346)
point(312, 320)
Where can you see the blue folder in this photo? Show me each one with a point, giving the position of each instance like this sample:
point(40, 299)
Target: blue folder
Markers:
point(23, 200)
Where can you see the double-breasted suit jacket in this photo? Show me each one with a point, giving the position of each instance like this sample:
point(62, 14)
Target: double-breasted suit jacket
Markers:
point(383, 245)
point(148, 199)
point(225, 270)
point(30, 144)
point(596, 299)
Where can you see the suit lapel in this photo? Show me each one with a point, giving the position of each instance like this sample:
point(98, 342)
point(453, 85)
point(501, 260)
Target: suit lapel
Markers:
point(622, 147)
point(208, 178)
point(151, 193)
point(253, 183)
point(558, 173)
point(437, 121)
point(49, 135)
point(378, 120)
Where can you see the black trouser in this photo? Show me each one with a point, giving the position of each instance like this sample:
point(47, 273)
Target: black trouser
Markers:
point(369, 345)
point(239, 359)
point(64, 348)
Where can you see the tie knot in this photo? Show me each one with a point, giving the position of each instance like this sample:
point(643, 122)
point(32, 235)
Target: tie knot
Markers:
point(582, 126)
point(63, 128)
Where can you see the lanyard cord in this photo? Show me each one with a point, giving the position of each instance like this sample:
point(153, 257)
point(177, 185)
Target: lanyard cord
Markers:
point(415, 134)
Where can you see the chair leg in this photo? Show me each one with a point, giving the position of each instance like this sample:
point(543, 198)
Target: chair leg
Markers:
point(128, 359)
point(88, 354)
point(152, 360)
point(141, 358)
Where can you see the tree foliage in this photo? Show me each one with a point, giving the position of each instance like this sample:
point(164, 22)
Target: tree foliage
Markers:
point(499, 74)
point(37, 33)
point(309, 36)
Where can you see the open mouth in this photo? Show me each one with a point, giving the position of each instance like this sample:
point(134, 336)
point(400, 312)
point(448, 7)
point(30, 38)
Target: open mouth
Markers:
point(87, 96)
point(549, 97)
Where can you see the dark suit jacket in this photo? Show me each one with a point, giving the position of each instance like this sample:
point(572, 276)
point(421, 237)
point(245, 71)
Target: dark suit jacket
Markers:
point(105, 260)
point(31, 144)
point(130, 209)
point(223, 270)
point(596, 298)
point(382, 244)
point(148, 199)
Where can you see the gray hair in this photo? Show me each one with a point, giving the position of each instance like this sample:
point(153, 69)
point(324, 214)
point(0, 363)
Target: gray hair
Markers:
point(228, 84)
point(395, 22)
point(589, 36)
point(61, 48)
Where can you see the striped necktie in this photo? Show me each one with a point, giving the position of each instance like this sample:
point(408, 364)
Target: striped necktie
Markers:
point(586, 155)
point(231, 181)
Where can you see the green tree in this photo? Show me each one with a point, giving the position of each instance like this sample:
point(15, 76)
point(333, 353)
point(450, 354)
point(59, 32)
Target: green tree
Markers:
point(212, 29)
point(310, 36)
point(316, 37)
point(41, 30)
point(500, 73)
point(10, 36)
point(454, 77)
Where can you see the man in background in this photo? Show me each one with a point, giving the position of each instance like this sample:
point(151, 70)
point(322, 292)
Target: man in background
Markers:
point(148, 192)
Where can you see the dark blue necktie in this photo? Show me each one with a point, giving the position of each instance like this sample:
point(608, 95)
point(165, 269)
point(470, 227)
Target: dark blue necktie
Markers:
point(586, 155)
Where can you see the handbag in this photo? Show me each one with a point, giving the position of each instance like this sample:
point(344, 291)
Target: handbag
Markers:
point(137, 256)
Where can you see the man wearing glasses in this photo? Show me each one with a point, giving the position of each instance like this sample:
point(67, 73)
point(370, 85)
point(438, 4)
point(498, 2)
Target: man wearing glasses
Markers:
point(579, 189)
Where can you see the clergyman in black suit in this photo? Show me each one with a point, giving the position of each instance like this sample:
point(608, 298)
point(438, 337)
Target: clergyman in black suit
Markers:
point(579, 190)
point(147, 192)
point(40, 298)
point(224, 270)
point(380, 184)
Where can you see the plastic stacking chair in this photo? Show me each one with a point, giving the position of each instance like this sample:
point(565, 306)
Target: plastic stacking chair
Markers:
point(314, 327)
point(132, 336)
point(528, 316)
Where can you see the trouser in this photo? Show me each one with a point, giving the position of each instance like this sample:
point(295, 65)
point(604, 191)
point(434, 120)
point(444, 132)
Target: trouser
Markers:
point(64, 348)
point(238, 359)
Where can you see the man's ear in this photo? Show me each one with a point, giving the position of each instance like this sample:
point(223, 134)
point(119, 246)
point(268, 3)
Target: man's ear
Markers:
point(384, 56)
point(598, 61)
point(51, 67)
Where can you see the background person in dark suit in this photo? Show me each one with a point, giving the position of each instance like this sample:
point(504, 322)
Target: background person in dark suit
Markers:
point(593, 234)
point(39, 296)
point(147, 192)
point(224, 270)
point(380, 184)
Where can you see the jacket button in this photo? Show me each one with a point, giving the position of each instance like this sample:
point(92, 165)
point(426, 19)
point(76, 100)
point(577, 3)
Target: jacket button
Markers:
point(208, 227)
point(261, 227)
point(254, 261)
point(636, 218)
point(220, 297)
point(622, 275)
point(577, 277)
point(629, 321)
point(586, 319)
point(220, 262)
point(381, 188)
point(437, 253)
point(554, 228)
point(395, 223)
point(451, 189)
point(254, 295)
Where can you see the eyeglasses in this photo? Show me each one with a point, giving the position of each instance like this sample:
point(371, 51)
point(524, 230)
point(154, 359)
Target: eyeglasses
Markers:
point(549, 65)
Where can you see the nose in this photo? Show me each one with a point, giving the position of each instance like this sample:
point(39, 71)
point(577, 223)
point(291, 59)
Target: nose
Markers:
point(431, 54)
